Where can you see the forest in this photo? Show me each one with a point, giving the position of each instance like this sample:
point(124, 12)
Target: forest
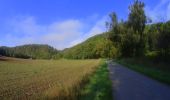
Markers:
point(33, 51)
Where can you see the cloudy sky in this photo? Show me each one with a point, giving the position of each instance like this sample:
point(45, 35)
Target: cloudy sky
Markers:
point(64, 23)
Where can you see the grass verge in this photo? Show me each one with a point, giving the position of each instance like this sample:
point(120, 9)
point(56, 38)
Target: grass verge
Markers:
point(99, 86)
point(153, 70)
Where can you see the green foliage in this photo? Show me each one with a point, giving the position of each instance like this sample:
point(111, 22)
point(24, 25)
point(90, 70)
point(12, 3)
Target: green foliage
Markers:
point(129, 43)
point(129, 36)
point(153, 31)
point(113, 22)
point(95, 47)
point(137, 17)
point(99, 86)
point(164, 41)
point(151, 55)
point(34, 51)
point(135, 38)
point(136, 25)
point(158, 40)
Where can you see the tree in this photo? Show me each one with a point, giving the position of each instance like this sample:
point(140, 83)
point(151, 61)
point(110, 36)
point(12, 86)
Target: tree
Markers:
point(153, 31)
point(137, 17)
point(164, 42)
point(137, 21)
point(111, 26)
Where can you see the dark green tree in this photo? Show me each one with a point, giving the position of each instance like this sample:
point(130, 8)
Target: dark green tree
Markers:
point(164, 42)
point(111, 26)
point(137, 21)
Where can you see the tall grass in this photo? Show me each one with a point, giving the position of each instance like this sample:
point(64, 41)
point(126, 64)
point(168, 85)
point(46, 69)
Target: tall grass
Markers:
point(44, 79)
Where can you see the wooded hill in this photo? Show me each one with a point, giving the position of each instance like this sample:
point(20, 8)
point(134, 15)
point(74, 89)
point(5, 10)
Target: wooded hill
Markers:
point(34, 51)
point(95, 47)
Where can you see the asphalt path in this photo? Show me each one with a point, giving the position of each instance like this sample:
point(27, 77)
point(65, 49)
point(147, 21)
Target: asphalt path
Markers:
point(131, 85)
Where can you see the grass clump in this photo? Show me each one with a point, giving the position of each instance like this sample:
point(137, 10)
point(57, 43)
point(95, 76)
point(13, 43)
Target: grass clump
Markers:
point(99, 86)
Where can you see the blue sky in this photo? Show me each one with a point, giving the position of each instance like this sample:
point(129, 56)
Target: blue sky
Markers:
point(64, 23)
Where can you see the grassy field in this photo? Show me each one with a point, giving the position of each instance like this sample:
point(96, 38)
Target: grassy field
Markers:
point(44, 79)
point(155, 70)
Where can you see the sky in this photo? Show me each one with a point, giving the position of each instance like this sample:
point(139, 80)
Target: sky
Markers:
point(65, 23)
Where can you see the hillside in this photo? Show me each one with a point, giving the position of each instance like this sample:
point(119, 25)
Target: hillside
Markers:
point(95, 47)
point(35, 51)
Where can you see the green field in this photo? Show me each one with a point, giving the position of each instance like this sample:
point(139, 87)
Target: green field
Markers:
point(44, 79)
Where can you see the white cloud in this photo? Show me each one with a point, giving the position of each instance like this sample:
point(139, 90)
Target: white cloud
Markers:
point(59, 34)
point(24, 25)
point(160, 12)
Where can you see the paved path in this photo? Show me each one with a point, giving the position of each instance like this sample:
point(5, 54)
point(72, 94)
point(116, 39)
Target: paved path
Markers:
point(130, 85)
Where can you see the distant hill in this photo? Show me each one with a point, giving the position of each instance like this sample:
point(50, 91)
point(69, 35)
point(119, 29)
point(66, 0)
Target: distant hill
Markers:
point(95, 47)
point(35, 51)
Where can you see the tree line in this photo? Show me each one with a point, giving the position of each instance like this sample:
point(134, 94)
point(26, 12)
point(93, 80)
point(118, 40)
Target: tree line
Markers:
point(33, 51)
point(137, 37)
